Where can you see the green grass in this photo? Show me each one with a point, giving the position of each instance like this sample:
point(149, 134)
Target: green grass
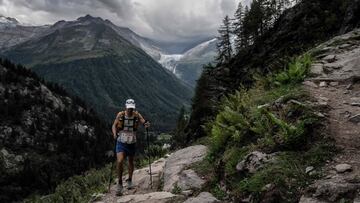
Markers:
point(287, 174)
point(176, 189)
point(270, 117)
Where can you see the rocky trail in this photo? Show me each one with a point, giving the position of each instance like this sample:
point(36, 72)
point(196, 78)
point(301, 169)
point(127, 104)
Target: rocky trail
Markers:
point(336, 85)
point(173, 181)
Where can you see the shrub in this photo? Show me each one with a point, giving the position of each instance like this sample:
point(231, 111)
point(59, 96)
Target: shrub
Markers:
point(296, 71)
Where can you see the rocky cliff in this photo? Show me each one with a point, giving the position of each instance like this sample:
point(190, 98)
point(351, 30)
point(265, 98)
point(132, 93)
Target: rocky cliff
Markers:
point(45, 135)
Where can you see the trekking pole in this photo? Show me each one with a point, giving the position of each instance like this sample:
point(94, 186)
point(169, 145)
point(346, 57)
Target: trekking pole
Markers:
point(148, 144)
point(112, 165)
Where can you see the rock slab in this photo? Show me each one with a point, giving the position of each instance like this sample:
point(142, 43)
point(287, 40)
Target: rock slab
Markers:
point(141, 177)
point(154, 197)
point(190, 180)
point(178, 161)
point(203, 197)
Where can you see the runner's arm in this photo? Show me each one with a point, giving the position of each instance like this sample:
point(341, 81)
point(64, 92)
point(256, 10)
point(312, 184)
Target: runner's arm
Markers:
point(143, 121)
point(114, 126)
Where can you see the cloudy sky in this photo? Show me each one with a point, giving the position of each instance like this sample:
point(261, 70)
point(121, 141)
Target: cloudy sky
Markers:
point(168, 20)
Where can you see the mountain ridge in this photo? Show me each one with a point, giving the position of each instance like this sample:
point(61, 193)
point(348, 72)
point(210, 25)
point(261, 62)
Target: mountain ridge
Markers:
point(91, 48)
point(189, 69)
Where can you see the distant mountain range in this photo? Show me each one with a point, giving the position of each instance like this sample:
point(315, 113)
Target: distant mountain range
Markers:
point(171, 55)
point(188, 66)
point(103, 64)
point(13, 33)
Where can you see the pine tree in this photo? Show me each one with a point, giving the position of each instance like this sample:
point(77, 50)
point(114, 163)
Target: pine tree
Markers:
point(179, 137)
point(256, 19)
point(246, 28)
point(224, 42)
point(238, 27)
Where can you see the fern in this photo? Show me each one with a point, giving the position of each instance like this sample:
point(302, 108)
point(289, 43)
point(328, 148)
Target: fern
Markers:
point(296, 71)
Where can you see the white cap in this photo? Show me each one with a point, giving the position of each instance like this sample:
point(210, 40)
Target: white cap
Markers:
point(130, 104)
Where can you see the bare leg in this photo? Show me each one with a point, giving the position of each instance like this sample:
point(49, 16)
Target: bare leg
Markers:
point(119, 165)
point(131, 166)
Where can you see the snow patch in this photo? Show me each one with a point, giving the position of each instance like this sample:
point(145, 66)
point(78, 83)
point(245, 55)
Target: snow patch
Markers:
point(169, 61)
point(199, 48)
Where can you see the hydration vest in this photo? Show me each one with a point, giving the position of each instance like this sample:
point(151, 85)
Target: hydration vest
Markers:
point(128, 124)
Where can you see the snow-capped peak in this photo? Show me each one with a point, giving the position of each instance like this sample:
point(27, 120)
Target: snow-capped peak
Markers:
point(8, 21)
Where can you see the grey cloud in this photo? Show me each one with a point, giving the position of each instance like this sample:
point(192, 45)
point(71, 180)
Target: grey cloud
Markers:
point(227, 6)
point(171, 20)
point(122, 8)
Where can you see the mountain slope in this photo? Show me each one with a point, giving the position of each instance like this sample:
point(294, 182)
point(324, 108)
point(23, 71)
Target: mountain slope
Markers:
point(297, 30)
point(90, 59)
point(45, 135)
point(145, 44)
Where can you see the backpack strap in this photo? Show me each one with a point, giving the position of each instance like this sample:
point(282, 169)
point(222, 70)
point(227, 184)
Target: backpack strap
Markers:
point(121, 118)
point(136, 120)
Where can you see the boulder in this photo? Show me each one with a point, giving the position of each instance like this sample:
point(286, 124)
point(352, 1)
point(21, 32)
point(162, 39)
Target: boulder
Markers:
point(178, 161)
point(203, 197)
point(342, 168)
point(254, 161)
